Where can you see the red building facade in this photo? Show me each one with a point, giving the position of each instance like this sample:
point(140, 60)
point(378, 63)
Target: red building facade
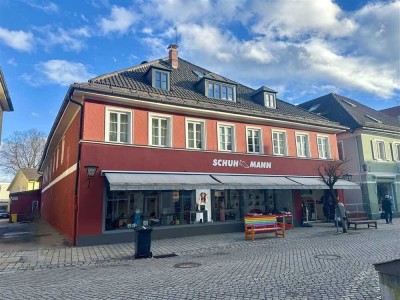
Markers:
point(181, 149)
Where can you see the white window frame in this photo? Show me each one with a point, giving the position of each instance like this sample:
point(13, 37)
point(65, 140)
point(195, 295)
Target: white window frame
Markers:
point(169, 129)
point(307, 146)
point(154, 79)
point(285, 149)
point(110, 109)
point(221, 85)
point(233, 136)
point(325, 137)
point(57, 153)
point(396, 151)
point(260, 141)
point(378, 154)
point(269, 100)
point(203, 133)
point(62, 149)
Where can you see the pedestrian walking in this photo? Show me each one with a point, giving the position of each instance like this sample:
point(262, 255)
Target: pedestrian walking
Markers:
point(387, 208)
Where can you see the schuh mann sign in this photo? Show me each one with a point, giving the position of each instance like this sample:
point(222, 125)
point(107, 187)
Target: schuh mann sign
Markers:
point(237, 163)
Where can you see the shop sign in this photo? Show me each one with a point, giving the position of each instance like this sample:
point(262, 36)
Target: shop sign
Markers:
point(238, 163)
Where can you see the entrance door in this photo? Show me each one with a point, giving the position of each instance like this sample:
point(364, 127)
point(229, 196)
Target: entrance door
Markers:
point(384, 189)
point(35, 206)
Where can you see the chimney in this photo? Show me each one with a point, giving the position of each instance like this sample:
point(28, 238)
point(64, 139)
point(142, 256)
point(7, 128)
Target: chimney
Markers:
point(173, 55)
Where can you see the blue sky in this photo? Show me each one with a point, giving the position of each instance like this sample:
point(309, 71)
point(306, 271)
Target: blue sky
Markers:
point(303, 49)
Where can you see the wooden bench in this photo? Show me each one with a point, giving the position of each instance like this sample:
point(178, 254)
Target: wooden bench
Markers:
point(262, 224)
point(359, 217)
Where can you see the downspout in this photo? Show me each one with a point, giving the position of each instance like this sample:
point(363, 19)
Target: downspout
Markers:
point(77, 168)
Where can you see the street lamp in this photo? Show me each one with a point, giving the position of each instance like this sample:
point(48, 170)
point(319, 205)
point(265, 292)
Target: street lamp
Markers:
point(91, 171)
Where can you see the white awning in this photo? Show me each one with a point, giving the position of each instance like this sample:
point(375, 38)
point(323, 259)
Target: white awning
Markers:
point(151, 181)
point(316, 183)
point(256, 182)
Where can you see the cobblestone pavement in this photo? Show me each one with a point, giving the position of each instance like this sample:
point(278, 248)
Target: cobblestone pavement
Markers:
point(311, 263)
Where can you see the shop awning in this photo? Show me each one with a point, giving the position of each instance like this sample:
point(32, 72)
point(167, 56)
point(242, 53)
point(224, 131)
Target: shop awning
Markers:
point(151, 181)
point(256, 182)
point(316, 183)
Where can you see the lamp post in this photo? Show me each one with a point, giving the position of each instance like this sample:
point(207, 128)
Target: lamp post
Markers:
point(91, 171)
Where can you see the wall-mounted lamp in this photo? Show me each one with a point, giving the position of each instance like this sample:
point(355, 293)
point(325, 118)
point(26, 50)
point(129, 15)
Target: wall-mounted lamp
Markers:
point(347, 177)
point(91, 170)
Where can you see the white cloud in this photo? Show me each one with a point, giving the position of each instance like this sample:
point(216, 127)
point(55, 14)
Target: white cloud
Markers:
point(35, 114)
point(48, 7)
point(59, 72)
point(293, 19)
point(120, 20)
point(68, 39)
point(19, 40)
point(12, 62)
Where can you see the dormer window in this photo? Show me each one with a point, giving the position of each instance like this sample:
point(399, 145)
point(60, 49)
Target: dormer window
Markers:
point(159, 78)
point(269, 100)
point(265, 96)
point(220, 91)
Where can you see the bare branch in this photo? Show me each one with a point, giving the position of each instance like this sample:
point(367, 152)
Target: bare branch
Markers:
point(22, 150)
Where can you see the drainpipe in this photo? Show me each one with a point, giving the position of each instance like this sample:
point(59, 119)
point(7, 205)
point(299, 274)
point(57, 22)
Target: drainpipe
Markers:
point(77, 168)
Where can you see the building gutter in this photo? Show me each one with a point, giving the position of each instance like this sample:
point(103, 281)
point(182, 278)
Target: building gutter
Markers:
point(76, 189)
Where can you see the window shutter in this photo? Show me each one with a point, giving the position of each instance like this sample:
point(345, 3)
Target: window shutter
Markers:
point(374, 149)
point(387, 151)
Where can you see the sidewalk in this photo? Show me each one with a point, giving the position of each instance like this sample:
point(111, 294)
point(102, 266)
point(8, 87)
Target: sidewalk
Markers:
point(58, 256)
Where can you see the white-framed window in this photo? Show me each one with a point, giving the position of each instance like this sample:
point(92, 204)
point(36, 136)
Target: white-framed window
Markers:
point(253, 137)
point(396, 151)
point(195, 134)
point(220, 91)
point(269, 100)
point(302, 145)
point(226, 137)
point(279, 143)
point(160, 131)
point(161, 80)
point(57, 152)
point(62, 149)
point(323, 147)
point(380, 150)
point(118, 125)
point(340, 150)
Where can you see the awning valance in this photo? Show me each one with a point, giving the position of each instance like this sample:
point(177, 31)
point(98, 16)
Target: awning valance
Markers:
point(152, 181)
point(316, 183)
point(256, 182)
point(186, 181)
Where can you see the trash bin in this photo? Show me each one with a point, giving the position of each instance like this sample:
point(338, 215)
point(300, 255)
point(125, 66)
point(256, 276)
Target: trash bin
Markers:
point(14, 218)
point(143, 242)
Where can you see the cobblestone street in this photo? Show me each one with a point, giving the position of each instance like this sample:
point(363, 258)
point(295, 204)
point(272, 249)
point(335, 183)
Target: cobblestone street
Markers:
point(311, 263)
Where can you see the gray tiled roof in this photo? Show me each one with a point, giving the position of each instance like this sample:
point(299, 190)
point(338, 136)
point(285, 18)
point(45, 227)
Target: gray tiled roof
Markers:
point(31, 173)
point(350, 113)
point(183, 91)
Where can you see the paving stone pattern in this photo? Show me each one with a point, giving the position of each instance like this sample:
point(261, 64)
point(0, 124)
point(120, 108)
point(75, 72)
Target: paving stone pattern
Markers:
point(311, 263)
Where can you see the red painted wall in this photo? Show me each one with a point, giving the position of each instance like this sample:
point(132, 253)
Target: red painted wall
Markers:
point(58, 200)
point(94, 130)
point(23, 206)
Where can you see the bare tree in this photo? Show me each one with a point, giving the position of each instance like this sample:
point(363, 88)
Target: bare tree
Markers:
point(330, 172)
point(23, 149)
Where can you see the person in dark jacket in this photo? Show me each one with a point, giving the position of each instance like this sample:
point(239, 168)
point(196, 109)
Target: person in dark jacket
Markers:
point(387, 208)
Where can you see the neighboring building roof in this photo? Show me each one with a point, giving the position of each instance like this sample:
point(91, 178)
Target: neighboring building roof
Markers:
point(351, 113)
point(392, 111)
point(183, 91)
point(31, 173)
point(5, 100)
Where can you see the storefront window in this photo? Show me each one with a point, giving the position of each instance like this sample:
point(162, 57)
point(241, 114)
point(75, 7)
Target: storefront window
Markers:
point(227, 205)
